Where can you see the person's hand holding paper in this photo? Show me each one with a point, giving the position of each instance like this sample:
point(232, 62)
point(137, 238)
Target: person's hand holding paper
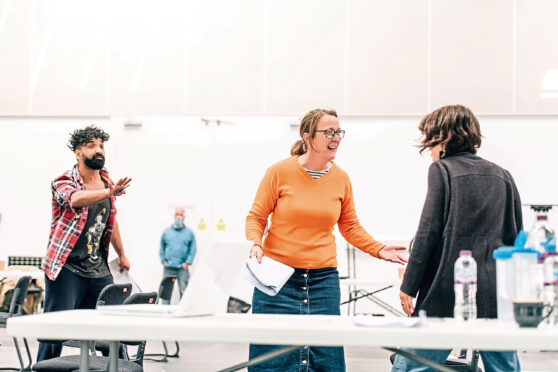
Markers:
point(269, 276)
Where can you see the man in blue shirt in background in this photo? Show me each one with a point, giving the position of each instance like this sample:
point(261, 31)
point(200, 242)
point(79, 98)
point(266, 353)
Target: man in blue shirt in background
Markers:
point(178, 248)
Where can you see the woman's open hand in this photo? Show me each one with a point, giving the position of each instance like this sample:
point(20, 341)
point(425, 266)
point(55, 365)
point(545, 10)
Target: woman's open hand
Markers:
point(391, 253)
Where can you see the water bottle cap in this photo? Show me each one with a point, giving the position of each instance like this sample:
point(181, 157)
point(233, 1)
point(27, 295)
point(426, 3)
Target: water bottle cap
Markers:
point(505, 253)
point(465, 252)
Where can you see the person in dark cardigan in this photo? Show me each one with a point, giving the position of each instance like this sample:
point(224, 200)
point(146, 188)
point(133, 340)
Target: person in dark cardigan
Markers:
point(471, 204)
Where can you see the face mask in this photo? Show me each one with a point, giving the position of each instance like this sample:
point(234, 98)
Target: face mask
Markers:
point(97, 162)
point(178, 223)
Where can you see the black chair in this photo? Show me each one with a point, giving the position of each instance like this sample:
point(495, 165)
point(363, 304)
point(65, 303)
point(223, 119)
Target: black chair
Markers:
point(137, 298)
point(164, 297)
point(100, 363)
point(112, 294)
point(236, 305)
point(16, 309)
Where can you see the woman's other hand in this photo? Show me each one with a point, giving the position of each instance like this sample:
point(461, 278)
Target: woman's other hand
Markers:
point(257, 251)
point(406, 303)
point(391, 253)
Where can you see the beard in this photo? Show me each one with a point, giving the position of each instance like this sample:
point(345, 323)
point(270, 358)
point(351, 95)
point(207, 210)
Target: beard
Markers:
point(97, 162)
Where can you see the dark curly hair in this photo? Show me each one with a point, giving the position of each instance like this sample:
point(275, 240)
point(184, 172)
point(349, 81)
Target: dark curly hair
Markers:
point(80, 137)
point(455, 127)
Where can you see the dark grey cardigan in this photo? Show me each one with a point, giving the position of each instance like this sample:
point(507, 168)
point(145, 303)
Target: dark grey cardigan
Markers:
point(471, 204)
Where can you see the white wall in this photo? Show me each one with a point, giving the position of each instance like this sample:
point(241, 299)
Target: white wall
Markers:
point(277, 57)
point(214, 171)
point(380, 63)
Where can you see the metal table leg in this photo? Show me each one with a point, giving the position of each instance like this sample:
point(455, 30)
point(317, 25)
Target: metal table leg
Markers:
point(113, 356)
point(262, 358)
point(422, 360)
point(84, 356)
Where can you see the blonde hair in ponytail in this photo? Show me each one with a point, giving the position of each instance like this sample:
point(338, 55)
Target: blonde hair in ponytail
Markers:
point(309, 124)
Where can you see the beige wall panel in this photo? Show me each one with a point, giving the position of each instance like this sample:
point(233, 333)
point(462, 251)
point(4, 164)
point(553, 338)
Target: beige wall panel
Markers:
point(147, 59)
point(68, 68)
point(224, 59)
point(15, 51)
point(537, 57)
point(472, 54)
point(305, 61)
point(387, 57)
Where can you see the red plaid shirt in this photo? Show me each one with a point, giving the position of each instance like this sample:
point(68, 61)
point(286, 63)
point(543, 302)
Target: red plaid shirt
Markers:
point(67, 222)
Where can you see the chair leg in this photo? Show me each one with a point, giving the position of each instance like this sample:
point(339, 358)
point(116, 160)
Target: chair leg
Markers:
point(474, 360)
point(19, 354)
point(28, 368)
point(175, 355)
point(20, 358)
point(164, 356)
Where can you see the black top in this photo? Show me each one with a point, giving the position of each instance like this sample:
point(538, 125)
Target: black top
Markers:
point(471, 204)
point(86, 258)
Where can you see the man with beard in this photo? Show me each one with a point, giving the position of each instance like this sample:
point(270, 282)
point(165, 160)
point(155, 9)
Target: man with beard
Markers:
point(83, 225)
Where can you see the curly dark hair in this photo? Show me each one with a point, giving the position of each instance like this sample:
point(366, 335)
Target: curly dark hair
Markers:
point(455, 127)
point(80, 137)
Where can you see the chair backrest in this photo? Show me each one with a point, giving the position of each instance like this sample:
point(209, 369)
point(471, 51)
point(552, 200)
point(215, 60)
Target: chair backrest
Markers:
point(165, 289)
point(20, 292)
point(114, 294)
point(141, 298)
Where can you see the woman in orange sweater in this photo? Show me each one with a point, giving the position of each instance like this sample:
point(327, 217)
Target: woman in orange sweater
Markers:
point(306, 195)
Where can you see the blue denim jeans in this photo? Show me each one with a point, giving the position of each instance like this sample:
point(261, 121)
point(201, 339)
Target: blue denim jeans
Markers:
point(306, 292)
point(182, 277)
point(493, 361)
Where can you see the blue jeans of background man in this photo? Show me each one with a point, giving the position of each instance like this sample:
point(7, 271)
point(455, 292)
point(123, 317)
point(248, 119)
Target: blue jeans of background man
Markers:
point(493, 361)
point(68, 292)
point(306, 292)
point(182, 276)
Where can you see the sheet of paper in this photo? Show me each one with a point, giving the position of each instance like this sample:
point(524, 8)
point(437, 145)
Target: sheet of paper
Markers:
point(122, 277)
point(268, 276)
point(383, 321)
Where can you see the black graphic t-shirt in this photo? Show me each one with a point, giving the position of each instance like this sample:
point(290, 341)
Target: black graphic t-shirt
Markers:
point(87, 259)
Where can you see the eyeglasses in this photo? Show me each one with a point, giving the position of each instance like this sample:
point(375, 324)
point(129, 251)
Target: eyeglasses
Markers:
point(330, 133)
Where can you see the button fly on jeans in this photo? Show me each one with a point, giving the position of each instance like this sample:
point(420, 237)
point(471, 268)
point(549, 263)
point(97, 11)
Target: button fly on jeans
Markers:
point(304, 288)
point(304, 275)
point(305, 300)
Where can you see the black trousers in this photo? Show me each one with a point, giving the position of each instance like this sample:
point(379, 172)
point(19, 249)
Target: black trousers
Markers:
point(68, 292)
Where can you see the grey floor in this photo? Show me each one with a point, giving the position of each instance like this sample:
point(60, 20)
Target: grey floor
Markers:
point(201, 357)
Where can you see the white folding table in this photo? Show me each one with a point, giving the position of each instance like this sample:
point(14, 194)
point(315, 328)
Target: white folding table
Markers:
point(296, 330)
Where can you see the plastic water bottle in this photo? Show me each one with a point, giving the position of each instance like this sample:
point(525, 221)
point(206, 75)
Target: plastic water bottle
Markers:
point(541, 234)
point(465, 287)
point(550, 270)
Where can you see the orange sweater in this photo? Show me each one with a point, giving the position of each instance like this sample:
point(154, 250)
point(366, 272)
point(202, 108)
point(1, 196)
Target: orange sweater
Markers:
point(304, 212)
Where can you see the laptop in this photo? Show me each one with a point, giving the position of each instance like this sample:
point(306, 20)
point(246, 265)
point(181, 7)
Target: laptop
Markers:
point(210, 285)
